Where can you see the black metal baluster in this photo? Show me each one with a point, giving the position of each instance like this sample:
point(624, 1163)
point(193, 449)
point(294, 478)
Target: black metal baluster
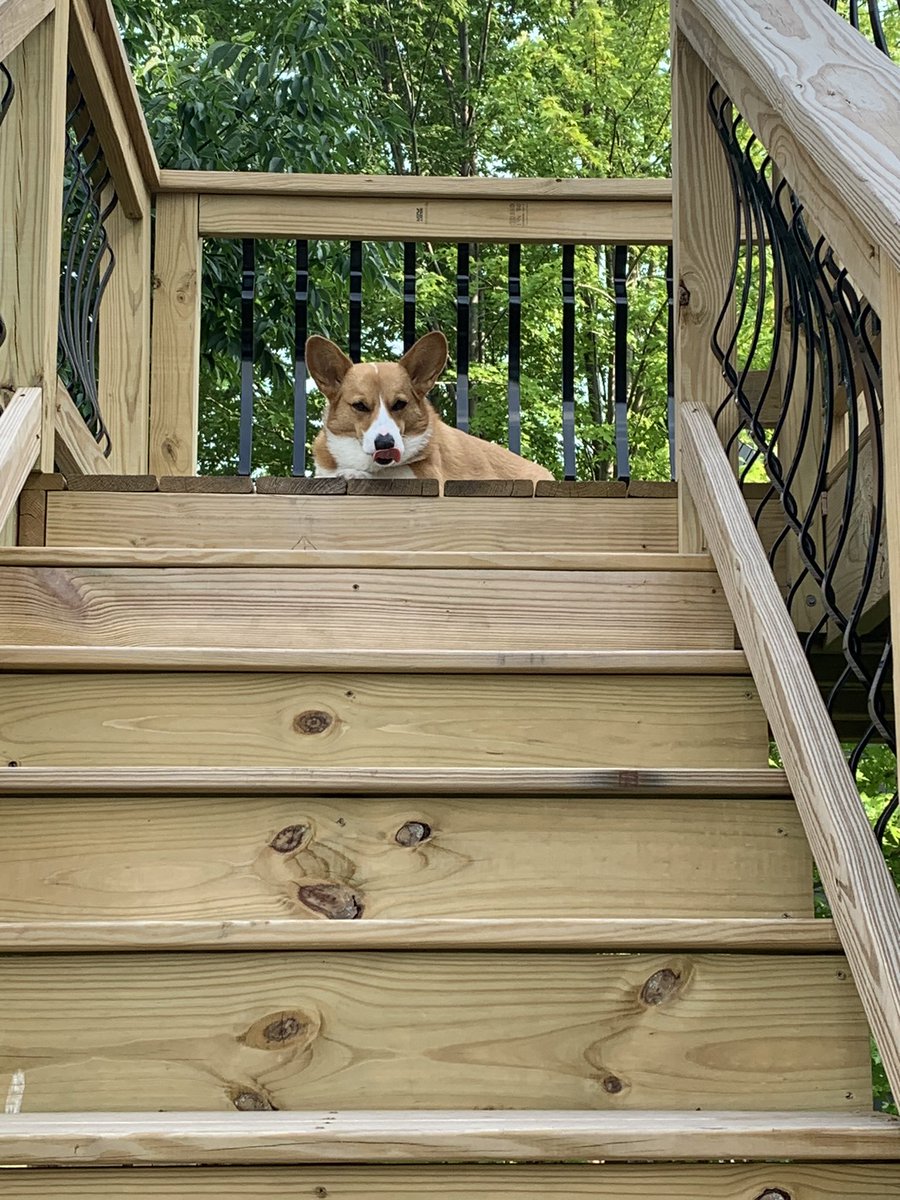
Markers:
point(670, 365)
point(514, 391)
point(301, 329)
point(7, 91)
point(248, 290)
point(568, 360)
point(409, 295)
point(462, 336)
point(356, 281)
point(620, 361)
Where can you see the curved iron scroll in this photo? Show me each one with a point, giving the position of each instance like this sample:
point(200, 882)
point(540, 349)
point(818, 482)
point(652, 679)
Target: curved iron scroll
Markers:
point(7, 91)
point(799, 350)
point(87, 261)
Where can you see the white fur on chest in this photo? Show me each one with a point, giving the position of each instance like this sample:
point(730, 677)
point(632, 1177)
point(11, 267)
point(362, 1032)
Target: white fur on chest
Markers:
point(353, 462)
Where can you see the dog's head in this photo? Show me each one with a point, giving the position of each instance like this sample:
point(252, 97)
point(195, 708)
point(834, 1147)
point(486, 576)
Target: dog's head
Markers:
point(380, 406)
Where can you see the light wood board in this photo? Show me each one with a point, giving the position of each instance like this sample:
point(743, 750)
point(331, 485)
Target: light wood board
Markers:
point(381, 720)
point(233, 857)
point(420, 1030)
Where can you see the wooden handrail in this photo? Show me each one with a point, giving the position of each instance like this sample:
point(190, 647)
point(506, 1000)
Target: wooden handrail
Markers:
point(17, 19)
point(864, 902)
point(825, 103)
point(20, 441)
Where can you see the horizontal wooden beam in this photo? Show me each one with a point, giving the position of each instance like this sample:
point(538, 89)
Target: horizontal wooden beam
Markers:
point(442, 219)
point(20, 443)
point(17, 19)
point(824, 103)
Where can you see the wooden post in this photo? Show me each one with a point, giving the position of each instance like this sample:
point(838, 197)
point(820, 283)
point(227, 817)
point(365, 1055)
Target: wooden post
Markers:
point(890, 362)
point(703, 246)
point(175, 371)
point(32, 147)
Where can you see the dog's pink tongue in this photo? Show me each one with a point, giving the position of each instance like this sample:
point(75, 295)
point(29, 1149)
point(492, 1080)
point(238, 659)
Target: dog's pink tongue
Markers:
point(387, 456)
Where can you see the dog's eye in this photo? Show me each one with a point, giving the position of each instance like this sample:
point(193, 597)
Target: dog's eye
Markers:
point(360, 407)
point(398, 404)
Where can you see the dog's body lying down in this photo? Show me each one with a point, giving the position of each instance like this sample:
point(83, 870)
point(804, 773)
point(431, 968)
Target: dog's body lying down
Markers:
point(379, 423)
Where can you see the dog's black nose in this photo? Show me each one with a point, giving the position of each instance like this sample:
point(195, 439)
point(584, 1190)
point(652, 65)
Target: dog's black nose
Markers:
point(384, 441)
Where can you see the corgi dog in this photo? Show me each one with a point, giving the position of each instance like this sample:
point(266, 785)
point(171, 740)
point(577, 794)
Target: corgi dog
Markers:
point(379, 423)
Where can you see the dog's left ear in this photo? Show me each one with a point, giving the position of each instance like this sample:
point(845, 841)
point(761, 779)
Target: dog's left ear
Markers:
point(425, 361)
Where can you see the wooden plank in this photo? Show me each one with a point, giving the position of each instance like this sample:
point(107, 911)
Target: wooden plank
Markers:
point(32, 517)
point(20, 444)
point(702, 252)
point(862, 895)
point(642, 489)
point(442, 219)
point(17, 19)
point(441, 1137)
point(88, 61)
point(86, 657)
point(813, 936)
point(413, 859)
point(31, 187)
point(359, 523)
point(112, 483)
point(77, 453)
point(175, 337)
point(763, 783)
point(390, 611)
point(606, 1181)
point(890, 344)
point(124, 351)
point(278, 1030)
point(489, 487)
point(799, 78)
point(393, 487)
point(349, 720)
point(555, 489)
point(373, 188)
point(271, 485)
point(239, 485)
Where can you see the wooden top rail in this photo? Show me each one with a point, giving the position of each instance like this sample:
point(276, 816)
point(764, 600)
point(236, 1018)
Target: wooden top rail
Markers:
point(17, 19)
point(825, 104)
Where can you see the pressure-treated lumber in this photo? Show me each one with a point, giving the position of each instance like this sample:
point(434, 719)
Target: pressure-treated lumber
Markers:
point(77, 452)
point(824, 103)
point(864, 901)
point(208, 719)
point(282, 1030)
point(391, 781)
point(464, 525)
point(400, 1137)
point(229, 867)
point(175, 338)
point(20, 443)
point(595, 1181)
point(388, 611)
point(17, 19)
point(684, 934)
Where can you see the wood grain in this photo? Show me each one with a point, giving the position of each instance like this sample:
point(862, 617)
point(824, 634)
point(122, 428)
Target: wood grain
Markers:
point(111, 483)
point(607, 1181)
point(241, 485)
point(589, 490)
point(175, 337)
point(378, 1137)
point(443, 218)
point(274, 608)
point(824, 103)
point(393, 487)
point(20, 444)
point(359, 523)
point(17, 19)
point(419, 1030)
point(238, 857)
point(380, 720)
point(76, 451)
point(489, 487)
point(863, 898)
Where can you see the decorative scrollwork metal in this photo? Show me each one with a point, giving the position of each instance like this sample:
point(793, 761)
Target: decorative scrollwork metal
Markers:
point(87, 260)
point(7, 92)
point(799, 351)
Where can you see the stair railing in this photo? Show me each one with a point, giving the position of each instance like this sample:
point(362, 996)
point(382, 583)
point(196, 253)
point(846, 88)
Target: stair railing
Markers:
point(787, 266)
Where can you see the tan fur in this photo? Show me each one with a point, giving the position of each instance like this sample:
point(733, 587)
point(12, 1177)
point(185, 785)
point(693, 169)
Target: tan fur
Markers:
point(448, 454)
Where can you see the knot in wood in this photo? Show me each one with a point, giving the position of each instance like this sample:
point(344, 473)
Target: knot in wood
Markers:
point(332, 900)
point(684, 295)
point(413, 833)
point(661, 986)
point(248, 1100)
point(612, 1084)
point(774, 1194)
point(313, 721)
point(284, 1029)
point(290, 838)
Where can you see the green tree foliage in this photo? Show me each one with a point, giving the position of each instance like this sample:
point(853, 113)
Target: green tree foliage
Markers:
point(542, 87)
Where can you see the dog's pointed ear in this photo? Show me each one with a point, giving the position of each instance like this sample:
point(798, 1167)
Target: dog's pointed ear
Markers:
point(425, 361)
point(327, 364)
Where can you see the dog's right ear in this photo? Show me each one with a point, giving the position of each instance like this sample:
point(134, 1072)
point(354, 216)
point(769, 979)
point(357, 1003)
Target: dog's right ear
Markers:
point(327, 364)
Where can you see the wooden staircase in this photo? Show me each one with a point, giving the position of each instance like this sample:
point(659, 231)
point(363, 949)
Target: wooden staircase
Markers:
point(395, 865)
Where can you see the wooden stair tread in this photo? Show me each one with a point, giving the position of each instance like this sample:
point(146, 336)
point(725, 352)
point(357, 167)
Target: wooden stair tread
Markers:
point(445, 1136)
point(241, 658)
point(406, 781)
point(788, 936)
